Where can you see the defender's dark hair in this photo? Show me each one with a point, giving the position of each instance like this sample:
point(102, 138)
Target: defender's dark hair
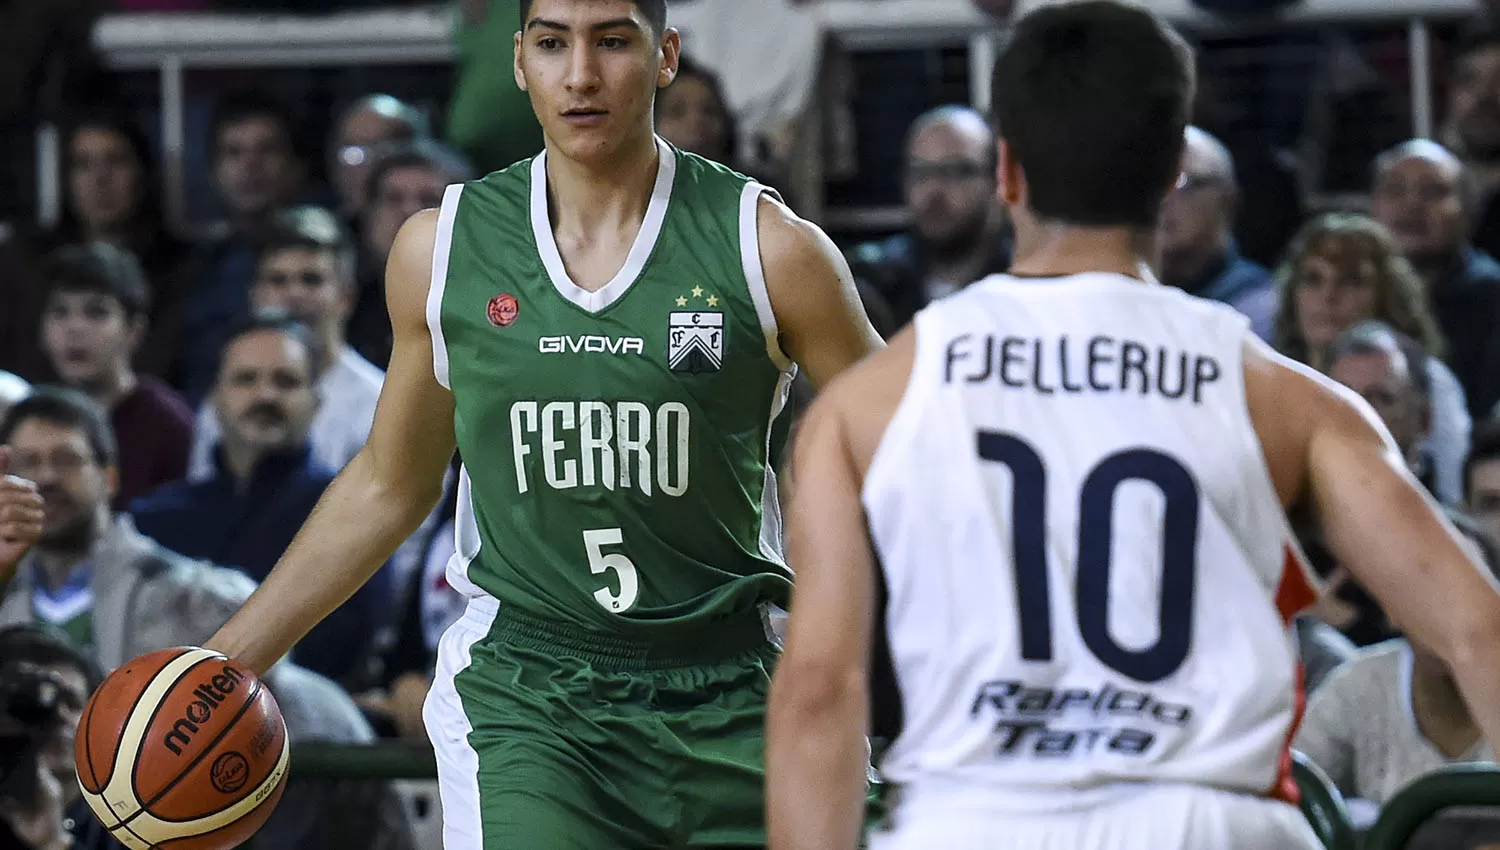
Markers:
point(313, 228)
point(68, 409)
point(654, 10)
point(1092, 99)
point(102, 269)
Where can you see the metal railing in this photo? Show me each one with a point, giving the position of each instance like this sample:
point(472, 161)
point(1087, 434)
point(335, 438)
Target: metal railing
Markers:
point(1416, 804)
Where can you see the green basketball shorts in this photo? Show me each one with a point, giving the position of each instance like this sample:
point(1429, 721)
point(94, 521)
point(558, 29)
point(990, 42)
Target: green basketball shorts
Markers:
point(554, 739)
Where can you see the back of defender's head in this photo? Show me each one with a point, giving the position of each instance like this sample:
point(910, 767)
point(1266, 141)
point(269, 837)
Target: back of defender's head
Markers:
point(1092, 99)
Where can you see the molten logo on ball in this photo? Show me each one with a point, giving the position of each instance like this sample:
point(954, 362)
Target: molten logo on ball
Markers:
point(200, 710)
point(229, 772)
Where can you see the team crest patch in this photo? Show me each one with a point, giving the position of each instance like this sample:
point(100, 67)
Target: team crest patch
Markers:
point(502, 310)
point(695, 341)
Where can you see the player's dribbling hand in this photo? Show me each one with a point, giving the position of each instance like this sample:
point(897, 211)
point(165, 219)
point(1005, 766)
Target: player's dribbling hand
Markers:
point(20, 517)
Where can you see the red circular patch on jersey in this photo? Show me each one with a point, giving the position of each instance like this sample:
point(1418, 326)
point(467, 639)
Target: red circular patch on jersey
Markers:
point(503, 309)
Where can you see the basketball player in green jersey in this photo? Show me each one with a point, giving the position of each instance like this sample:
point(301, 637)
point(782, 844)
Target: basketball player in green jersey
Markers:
point(609, 331)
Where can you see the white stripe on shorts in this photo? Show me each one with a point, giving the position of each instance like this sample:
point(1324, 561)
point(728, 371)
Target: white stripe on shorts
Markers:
point(449, 727)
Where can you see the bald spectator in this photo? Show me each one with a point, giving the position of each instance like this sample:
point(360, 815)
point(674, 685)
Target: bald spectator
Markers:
point(954, 239)
point(364, 130)
point(1423, 195)
point(1473, 128)
point(1198, 250)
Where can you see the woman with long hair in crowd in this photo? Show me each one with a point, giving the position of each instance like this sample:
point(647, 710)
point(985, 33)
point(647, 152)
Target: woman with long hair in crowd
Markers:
point(1344, 268)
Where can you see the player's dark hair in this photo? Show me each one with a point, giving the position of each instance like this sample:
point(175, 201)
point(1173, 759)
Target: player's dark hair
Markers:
point(1484, 446)
point(312, 228)
point(240, 107)
point(102, 269)
point(654, 10)
point(1092, 99)
point(265, 321)
point(65, 408)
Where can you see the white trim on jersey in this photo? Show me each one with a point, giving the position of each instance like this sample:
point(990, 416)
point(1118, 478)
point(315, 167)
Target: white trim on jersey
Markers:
point(770, 495)
point(466, 540)
point(449, 728)
point(640, 250)
point(755, 273)
point(442, 247)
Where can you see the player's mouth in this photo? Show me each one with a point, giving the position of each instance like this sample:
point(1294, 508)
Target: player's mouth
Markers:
point(585, 117)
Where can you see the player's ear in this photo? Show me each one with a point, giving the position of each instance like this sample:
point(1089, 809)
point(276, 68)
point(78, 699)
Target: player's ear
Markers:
point(516, 51)
point(1008, 177)
point(671, 53)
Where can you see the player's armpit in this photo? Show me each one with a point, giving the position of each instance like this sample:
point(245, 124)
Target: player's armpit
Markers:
point(380, 497)
point(819, 708)
point(820, 317)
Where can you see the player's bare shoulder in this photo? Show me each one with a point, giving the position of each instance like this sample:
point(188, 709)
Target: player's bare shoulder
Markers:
point(408, 271)
point(1291, 406)
point(866, 397)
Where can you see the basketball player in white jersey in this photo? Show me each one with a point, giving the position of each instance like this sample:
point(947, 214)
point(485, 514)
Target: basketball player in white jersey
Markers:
point(1058, 506)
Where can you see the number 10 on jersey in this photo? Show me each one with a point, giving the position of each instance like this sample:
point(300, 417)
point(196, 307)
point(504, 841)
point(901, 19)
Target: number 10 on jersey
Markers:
point(1096, 502)
point(600, 562)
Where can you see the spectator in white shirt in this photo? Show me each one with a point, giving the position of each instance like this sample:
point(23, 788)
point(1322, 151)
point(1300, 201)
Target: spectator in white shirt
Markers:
point(306, 270)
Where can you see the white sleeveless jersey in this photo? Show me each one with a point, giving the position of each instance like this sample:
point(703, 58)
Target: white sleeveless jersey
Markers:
point(1089, 573)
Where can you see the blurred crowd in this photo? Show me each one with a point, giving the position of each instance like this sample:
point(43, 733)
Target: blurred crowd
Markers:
point(183, 401)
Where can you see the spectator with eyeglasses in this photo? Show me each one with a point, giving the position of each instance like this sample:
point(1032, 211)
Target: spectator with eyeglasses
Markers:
point(954, 238)
point(1198, 250)
point(365, 130)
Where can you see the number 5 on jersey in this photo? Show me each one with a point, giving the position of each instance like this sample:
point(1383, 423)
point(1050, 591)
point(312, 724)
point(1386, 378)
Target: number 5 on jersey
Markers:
point(594, 540)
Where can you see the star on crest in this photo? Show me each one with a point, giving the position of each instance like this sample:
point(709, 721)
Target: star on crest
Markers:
point(681, 301)
point(713, 300)
point(697, 292)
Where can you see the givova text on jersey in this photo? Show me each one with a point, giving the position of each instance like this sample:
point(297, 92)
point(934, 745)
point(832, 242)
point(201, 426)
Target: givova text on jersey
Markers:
point(1060, 722)
point(614, 445)
point(1096, 364)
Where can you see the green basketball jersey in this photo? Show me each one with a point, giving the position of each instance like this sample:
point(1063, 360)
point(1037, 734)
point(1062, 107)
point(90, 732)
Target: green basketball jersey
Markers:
point(616, 444)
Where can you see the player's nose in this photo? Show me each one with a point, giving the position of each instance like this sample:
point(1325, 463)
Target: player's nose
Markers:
point(583, 70)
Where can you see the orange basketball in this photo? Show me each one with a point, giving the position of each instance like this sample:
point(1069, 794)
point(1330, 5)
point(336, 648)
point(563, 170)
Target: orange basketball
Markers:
point(182, 749)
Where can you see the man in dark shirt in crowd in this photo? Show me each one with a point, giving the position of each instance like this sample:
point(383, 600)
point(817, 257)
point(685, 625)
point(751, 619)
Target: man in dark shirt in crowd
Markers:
point(258, 168)
point(92, 324)
point(264, 486)
point(954, 239)
point(1198, 251)
point(1423, 195)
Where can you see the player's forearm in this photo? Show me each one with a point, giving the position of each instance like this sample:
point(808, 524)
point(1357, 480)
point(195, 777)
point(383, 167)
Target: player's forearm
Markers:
point(355, 527)
point(816, 766)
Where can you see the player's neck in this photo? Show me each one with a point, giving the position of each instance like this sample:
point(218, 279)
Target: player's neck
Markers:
point(1049, 249)
point(614, 192)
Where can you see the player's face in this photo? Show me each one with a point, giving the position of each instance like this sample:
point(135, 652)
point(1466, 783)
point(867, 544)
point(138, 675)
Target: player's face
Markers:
point(305, 283)
point(104, 179)
point(402, 193)
point(1483, 498)
point(73, 485)
point(1330, 299)
point(1421, 202)
point(265, 397)
point(592, 68)
point(87, 337)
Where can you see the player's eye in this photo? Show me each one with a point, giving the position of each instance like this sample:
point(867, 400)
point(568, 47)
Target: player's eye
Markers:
point(549, 42)
point(613, 42)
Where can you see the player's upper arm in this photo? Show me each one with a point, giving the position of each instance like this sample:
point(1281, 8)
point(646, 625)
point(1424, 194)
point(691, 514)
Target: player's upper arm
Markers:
point(828, 637)
point(819, 315)
point(411, 442)
point(1376, 518)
